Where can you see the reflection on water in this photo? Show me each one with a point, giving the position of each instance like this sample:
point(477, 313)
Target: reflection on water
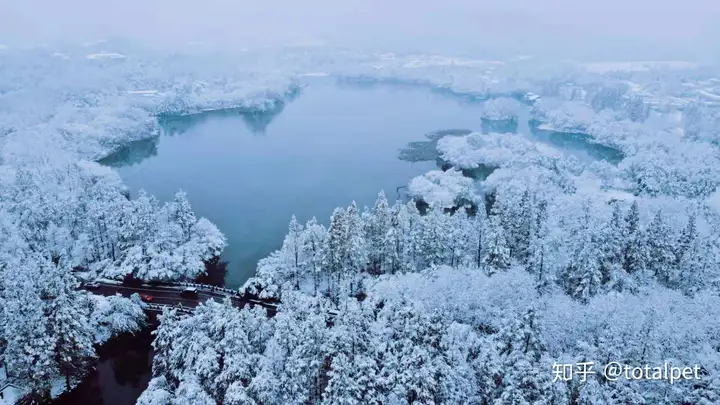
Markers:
point(579, 143)
point(255, 121)
point(332, 145)
point(120, 376)
point(132, 153)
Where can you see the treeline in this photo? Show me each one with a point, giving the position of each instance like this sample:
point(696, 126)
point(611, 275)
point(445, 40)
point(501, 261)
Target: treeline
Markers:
point(385, 352)
point(50, 328)
point(61, 223)
point(407, 349)
point(79, 216)
point(583, 253)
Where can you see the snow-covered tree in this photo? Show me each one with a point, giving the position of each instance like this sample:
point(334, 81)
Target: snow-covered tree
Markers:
point(661, 258)
point(313, 242)
point(497, 253)
point(378, 227)
point(292, 249)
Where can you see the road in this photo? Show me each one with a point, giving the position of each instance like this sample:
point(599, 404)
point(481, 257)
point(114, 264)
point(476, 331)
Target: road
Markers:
point(169, 295)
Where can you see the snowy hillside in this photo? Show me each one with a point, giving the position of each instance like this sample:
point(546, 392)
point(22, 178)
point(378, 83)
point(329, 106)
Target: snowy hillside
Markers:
point(551, 256)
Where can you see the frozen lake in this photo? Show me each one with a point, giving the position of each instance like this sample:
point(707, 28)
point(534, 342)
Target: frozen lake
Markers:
point(333, 144)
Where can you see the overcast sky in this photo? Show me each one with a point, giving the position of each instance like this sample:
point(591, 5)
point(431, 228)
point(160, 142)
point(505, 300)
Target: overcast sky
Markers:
point(626, 28)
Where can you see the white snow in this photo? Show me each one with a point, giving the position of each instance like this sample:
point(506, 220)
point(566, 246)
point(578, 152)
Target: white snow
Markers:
point(492, 150)
point(11, 393)
point(442, 188)
point(50, 119)
point(713, 201)
point(151, 92)
point(709, 94)
point(60, 55)
point(637, 66)
point(503, 108)
point(105, 55)
point(314, 74)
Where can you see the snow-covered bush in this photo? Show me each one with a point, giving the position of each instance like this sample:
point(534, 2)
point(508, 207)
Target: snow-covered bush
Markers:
point(115, 315)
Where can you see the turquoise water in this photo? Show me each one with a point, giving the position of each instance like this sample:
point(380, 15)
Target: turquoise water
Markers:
point(331, 145)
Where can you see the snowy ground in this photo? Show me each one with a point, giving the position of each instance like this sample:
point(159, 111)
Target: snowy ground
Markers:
point(10, 392)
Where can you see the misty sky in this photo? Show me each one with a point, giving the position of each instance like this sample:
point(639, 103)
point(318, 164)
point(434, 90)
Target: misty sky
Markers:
point(663, 28)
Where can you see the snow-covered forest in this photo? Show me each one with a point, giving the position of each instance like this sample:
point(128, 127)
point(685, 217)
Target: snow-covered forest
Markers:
point(446, 308)
point(64, 223)
point(522, 255)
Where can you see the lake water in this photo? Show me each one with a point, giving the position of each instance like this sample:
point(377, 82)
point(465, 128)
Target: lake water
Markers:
point(119, 377)
point(249, 174)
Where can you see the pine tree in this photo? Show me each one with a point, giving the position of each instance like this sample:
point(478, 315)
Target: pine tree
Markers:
point(661, 258)
point(611, 244)
point(139, 232)
point(293, 361)
point(356, 253)
point(353, 368)
point(687, 236)
point(521, 350)
point(537, 250)
point(410, 231)
point(633, 249)
point(584, 278)
point(313, 241)
point(497, 254)
point(292, 249)
point(335, 252)
point(479, 228)
point(67, 314)
point(433, 236)
point(592, 393)
point(706, 392)
point(379, 225)
point(393, 245)
point(520, 228)
point(182, 214)
point(29, 355)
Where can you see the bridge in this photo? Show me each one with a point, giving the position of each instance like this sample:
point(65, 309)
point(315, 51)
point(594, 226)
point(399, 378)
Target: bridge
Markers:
point(168, 295)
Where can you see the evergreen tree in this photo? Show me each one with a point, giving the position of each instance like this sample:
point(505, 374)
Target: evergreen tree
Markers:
point(67, 315)
point(182, 214)
point(521, 349)
point(706, 391)
point(611, 245)
point(292, 249)
point(313, 241)
point(661, 258)
point(520, 223)
point(29, 356)
point(393, 245)
point(335, 252)
point(686, 238)
point(633, 254)
point(497, 254)
point(591, 392)
point(479, 225)
point(413, 237)
point(352, 368)
point(356, 253)
point(379, 225)
point(537, 250)
point(433, 236)
point(584, 278)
